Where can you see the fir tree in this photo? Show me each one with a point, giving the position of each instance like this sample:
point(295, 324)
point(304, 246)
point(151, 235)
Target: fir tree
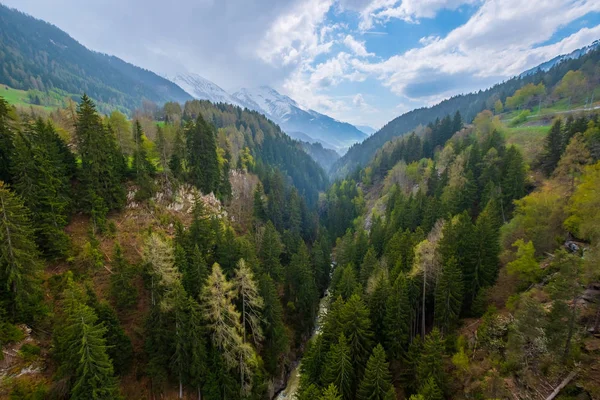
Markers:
point(377, 380)
point(143, 168)
point(301, 289)
point(331, 393)
point(252, 303)
point(431, 362)
point(339, 370)
point(42, 179)
point(101, 161)
point(19, 262)
point(448, 296)
point(276, 341)
point(259, 212)
point(201, 156)
point(396, 323)
point(270, 252)
point(122, 289)
point(431, 391)
point(553, 148)
point(357, 328)
point(6, 141)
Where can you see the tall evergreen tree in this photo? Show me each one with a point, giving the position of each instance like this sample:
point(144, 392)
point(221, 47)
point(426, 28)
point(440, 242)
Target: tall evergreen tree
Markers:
point(143, 169)
point(331, 393)
point(377, 380)
point(339, 370)
point(41, 177)
point(6, 141)
point(431, 363)
point(252, 302)
point(122, 289)
point(276, 340)
point(301, 289)
point(201, 156)
point(448, 296)
point(101, 161)
point(397, 327)
point(19, 262)
point(356, 326)
point(270, 252)
point(553, 148)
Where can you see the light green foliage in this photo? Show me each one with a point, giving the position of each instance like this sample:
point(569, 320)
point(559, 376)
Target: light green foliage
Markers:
point(572, 85)
point(525, 265)
point(523, 96)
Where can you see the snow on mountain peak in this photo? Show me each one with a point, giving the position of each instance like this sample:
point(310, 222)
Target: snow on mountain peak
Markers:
point(203, 89)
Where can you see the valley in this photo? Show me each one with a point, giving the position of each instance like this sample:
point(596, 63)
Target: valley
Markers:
point(164, 238)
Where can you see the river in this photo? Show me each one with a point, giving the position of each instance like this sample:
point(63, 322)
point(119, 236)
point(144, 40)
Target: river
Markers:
point(293, 382)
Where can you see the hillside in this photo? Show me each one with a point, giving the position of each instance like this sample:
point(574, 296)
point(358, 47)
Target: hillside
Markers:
point(39, 56)
point(468, 105)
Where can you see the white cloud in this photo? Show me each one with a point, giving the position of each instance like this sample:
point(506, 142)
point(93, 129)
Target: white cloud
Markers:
point(357, 47)
point(498, 41)
point(296, 36)
point(358, 100)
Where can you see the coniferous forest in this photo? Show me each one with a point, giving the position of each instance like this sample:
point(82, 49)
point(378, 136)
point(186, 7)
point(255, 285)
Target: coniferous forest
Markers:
point(194, 250)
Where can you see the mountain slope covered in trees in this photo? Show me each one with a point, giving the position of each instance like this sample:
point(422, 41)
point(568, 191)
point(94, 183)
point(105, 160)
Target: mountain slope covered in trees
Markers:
point(469, 105)
point(37, 55)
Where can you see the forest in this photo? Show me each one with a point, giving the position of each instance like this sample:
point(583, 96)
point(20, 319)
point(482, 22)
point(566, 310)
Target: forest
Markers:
point(183, 251)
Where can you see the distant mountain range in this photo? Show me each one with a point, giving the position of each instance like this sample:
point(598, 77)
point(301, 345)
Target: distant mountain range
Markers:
point(298, 122)
point(546, 66)
point(37, 55)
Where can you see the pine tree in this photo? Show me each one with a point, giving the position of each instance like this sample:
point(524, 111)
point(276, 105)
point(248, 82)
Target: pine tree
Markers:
point(259, 212)
point(178, 155)
point(19, 262)
point(448, 297)
point(196, 347)
point(379, 292)
point(513, 177)
point(252, 303)
point(224, 183)
point(201, 156)
point(313, 360)
point(101, 161)
point(431, 391)
point(339, 370)
point(369, 264)
point(377, 380)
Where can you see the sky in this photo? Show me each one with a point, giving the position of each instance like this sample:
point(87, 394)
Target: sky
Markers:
point(361, 61)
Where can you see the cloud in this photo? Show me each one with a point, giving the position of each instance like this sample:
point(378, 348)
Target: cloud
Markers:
point(357, 47)
point(498, 41)
point(359, 100)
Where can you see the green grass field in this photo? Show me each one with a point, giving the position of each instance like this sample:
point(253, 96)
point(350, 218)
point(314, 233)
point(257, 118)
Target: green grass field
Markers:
point(530, 139)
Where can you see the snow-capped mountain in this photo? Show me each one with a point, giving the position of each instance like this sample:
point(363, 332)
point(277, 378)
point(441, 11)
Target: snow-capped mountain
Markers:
point(294, 118)
point(203, 89)
point(558, 59)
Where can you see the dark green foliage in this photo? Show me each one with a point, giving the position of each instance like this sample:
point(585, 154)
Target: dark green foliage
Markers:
point(368, 265)
point(118, 344)
point(377, 301)
point(276, 339)
point(448, 297)
point(553, 148)
point(356, 326)
point(313, 360)
point(430, 364)
point(84, 353)
point(377, 380)
point(122, 288)
point(101, 161)
point(259, 212)
point(339, 370)
point(42, 178)
point(270, 252)
point(6, 142)
point(398, 315)
point(20, 266)
point(71, 67)
point(143, 169)
point(431, 391)
point(301, 290)
point(201, 156)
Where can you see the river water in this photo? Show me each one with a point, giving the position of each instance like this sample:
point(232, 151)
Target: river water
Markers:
point(293, 382)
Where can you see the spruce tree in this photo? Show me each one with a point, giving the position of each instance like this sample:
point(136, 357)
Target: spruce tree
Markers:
point(41, 177)
point(356, 326)
point(259, 212)
point(143, 169)
point(201, 156)
point(339, 370)
point(86, 356)
point(122, 288)
point(369, 264)
point(331, 393)
point(448, 297)
point(553, 148)
point(301, 289)
point(431, 391)
point(252, 302)
point(101, 161)
point(377, 380)
point(431, 362)
point(270, 252)
point(396, 323)
point(276, 340)
point(20, 266)
point(6, 141)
